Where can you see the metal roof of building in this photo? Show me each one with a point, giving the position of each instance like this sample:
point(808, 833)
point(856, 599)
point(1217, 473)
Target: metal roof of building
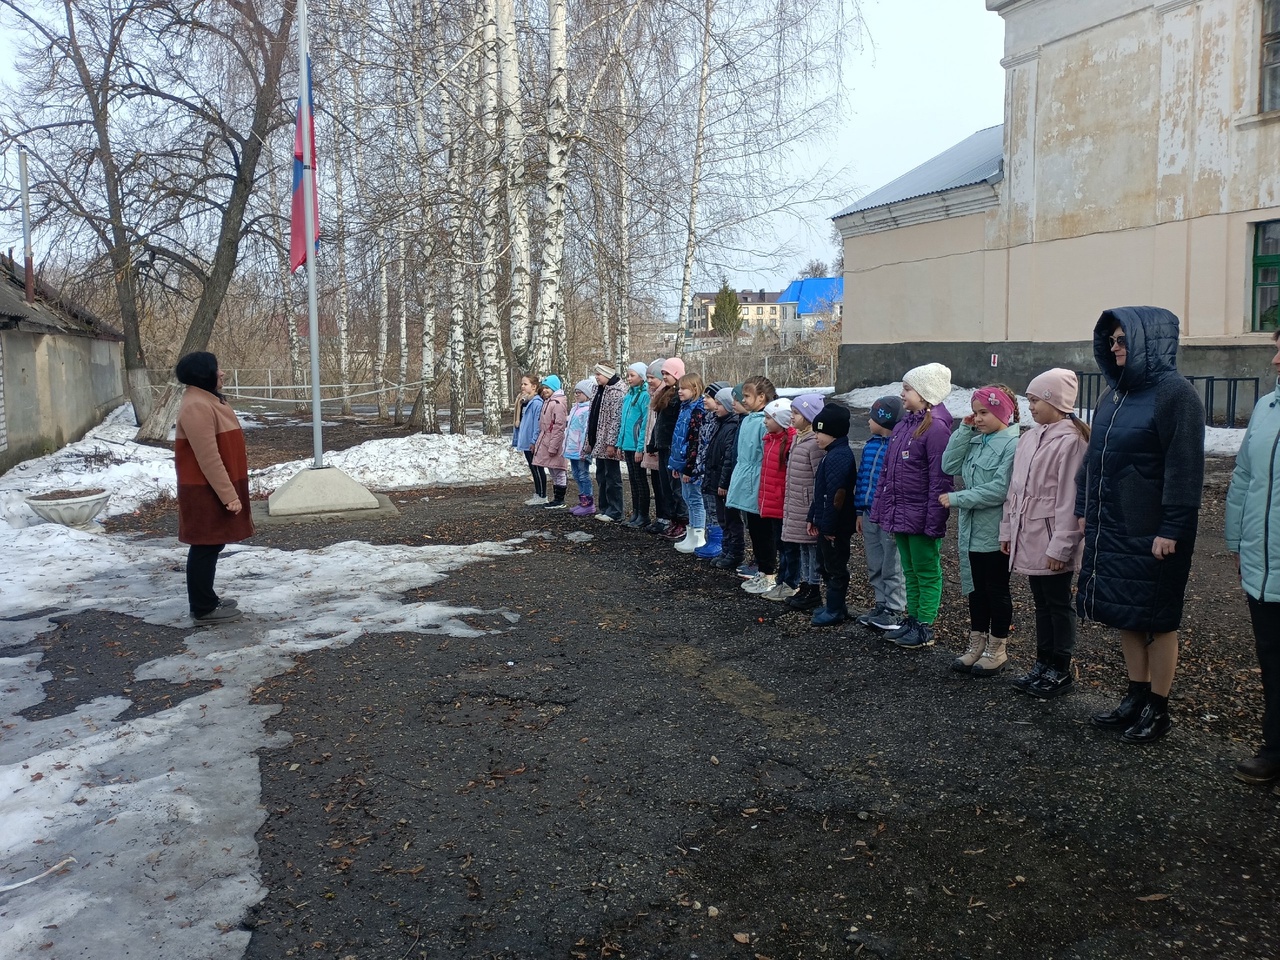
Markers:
point(814, 294)
point(977, 159)
point(49, 313)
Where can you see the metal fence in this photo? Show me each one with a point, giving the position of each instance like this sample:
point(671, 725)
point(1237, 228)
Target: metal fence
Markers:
point(1221, 396)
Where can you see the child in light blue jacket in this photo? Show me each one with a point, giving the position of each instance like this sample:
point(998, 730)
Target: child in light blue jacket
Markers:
point(575, 439)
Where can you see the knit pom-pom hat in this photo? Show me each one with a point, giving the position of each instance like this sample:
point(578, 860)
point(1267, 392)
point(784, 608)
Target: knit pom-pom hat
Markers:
point(931, 380)
point(1057, 387)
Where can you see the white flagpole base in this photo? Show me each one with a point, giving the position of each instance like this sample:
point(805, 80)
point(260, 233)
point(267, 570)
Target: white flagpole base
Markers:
point(320, 490)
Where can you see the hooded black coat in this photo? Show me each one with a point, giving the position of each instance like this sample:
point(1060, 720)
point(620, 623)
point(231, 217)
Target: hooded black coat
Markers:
point(1142, 477)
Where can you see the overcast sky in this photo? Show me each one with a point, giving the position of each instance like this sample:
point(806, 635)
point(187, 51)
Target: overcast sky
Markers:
point(928, 78)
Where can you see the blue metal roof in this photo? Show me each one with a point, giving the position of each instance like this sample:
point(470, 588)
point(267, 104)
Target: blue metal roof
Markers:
point(976, 159)
point(813, 295)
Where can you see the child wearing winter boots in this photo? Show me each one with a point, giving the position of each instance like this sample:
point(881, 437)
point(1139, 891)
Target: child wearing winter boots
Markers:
point(575, 439)
point(722, 458)
point(744, 486)
point(684, 458)
point(631, 438)
point(710, 427)
point(1039, 531)
point(548, 450)
point(778, 438)
point(832, 515)
point(981, 453)
point(802, 467)
point(884, 568)
point(906, 502)
point(528, 415)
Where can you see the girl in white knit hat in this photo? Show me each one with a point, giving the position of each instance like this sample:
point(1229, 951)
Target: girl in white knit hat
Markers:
point(907, 501)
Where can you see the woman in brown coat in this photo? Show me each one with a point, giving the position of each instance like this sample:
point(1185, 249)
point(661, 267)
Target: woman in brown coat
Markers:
point(213, 483)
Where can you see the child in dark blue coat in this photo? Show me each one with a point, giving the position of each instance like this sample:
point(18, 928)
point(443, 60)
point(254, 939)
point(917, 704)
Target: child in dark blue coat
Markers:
point(832, 516)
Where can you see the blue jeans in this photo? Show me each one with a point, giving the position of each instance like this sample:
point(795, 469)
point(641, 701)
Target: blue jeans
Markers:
point(810, 565)
point(692, 491)
point(582, 475)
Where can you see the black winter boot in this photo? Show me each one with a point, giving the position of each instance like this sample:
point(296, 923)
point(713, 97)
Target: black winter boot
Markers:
point(809, 597)
point(1127, 711)
point(558, 502)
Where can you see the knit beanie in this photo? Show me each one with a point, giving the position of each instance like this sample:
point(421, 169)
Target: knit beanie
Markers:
point(1057, 387)
point(655, 370)
point(833, 420)
point(606, 371)
point(713, 389)
point(639, 369)
point(931, 380)
point(995, 400)
point(780, 410)
point(887, 411)
point(586, 387)
point(737, 392)
point(673, 366)
point(808, 405)
point(552, 381)
point(725, 399)
point(199, 369)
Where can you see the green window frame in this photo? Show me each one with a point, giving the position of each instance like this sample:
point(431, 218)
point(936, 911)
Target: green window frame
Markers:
point(1266, 275)
point(1269, 87)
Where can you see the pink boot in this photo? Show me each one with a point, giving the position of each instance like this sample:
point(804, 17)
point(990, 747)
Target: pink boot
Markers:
point(586, 507)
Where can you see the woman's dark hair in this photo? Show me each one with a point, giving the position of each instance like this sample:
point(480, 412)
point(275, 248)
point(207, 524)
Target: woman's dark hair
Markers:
point(662, 399)
point(199, 369)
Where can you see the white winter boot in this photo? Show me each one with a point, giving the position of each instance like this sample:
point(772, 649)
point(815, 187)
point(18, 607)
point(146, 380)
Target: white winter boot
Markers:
point(694, 538)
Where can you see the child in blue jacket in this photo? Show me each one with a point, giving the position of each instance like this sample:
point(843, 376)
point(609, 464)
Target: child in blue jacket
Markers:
point(832, 516)
point(884, 568)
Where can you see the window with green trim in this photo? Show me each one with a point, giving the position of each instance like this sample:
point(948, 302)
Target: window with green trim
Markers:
point(1266, 275)
point(1270, 86)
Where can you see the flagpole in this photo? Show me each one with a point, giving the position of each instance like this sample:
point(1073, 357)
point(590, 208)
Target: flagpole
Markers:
point(309, 221)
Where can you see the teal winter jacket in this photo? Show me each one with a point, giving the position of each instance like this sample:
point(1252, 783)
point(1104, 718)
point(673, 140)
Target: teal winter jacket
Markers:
point(1253, 502)
point(635, 415)
point(744, 485)
point(985, 463)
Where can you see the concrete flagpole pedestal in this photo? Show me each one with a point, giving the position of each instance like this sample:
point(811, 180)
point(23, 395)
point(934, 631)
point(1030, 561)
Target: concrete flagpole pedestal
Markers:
point(319, 491)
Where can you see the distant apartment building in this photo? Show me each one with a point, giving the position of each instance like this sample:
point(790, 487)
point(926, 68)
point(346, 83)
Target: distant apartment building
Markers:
point(759, 309)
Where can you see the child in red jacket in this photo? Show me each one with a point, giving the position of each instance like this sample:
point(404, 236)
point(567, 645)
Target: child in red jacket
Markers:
point(778, 436)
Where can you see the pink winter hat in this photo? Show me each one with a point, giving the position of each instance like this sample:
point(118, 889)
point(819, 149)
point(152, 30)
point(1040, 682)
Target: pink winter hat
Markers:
point(673, 366)
point(1057, 387)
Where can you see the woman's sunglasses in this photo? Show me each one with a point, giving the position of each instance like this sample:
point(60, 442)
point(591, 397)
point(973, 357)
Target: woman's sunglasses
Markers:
point(1119, 341)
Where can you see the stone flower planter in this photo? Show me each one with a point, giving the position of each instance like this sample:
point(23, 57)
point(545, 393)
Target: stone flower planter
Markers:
point(71, 508)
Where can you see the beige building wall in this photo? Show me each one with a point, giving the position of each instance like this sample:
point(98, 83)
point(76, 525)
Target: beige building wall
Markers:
point(1135, 167)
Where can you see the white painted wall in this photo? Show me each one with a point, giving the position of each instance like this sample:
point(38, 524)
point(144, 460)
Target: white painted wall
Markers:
point(1135, 167)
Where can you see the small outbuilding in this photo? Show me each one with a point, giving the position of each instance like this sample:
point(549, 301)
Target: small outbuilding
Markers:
point(61, 369)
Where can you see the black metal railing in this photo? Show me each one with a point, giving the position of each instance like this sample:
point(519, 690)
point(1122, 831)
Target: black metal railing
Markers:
point(1221, 395)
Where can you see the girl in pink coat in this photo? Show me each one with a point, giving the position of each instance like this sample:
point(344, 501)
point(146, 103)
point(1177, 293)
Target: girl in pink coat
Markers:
point(548, 451)
point(1039, 531)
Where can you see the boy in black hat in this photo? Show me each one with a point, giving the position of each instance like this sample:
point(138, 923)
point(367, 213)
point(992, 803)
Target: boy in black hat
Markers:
point(832, 515)
point(884, 569)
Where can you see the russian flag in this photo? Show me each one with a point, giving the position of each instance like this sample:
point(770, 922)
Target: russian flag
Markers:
point(298, 222)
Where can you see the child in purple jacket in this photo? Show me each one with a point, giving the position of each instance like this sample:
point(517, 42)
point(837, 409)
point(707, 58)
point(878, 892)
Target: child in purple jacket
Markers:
point(906, 501)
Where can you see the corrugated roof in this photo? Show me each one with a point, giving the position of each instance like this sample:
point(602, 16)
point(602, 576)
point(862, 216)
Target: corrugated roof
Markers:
point(976, 159)
point(814, 294)
point(49, 314)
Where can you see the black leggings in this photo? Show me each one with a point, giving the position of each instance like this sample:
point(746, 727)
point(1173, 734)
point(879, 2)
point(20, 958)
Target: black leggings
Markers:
point(539, 476)
point(763, 542)
point(202, 565)
point(1055, 618)
point(990, 605)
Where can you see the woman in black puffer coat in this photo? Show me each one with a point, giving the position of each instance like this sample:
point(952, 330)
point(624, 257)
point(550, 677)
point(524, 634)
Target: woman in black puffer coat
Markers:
point(1138, 493)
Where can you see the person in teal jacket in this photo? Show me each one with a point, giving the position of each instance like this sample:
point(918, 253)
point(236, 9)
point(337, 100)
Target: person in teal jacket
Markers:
point(1253, 534)
point(630, 440)
point(980, 452)
point(744, 485)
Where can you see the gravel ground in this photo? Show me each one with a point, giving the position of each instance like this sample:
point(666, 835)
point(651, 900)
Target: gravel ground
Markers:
point(647, 762)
